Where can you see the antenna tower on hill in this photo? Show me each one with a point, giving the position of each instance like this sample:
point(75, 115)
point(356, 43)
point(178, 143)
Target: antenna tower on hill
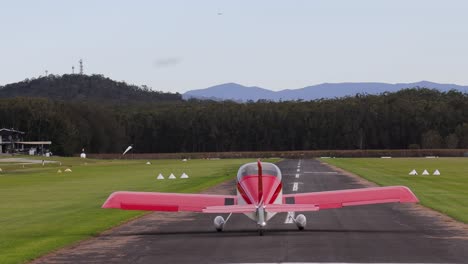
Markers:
point(81, 66)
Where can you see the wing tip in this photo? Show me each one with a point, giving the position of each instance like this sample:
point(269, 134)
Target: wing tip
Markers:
point(112, 201)
point(407, 195)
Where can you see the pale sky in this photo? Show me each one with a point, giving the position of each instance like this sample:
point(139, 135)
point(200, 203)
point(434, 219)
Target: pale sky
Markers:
point(182, 45)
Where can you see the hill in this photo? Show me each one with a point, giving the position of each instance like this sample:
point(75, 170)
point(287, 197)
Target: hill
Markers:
point(237, 92)
point(230, 91)
point(76, 87)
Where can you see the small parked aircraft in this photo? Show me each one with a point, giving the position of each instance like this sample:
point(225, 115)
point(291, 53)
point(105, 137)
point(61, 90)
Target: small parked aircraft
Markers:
point(259, 197)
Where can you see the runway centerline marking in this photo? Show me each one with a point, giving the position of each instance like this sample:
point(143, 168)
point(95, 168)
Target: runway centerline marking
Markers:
point(295, 186)
point(297, 175)
point(298, 170)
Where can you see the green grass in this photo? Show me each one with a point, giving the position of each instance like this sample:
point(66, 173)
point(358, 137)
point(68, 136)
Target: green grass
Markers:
point(42, 210)
point(447, 193)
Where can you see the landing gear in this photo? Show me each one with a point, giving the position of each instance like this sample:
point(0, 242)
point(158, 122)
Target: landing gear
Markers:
point(219, 222)
point(261, 223)
point(301, 222)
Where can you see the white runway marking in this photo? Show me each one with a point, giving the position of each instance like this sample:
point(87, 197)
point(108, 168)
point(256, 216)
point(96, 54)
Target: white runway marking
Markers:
point(290, 218)
point(297, 175)
point(295, 186)
point(298, 170)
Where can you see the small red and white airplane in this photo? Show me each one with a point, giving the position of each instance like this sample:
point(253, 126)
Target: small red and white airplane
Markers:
point(259, 197)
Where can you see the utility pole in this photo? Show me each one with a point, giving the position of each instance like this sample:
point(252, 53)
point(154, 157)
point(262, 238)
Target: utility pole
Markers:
point(73, 69)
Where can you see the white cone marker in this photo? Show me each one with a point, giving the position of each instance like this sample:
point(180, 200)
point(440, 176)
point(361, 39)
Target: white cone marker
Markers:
point(425, 172)
point(160, 177)
point(172, 176)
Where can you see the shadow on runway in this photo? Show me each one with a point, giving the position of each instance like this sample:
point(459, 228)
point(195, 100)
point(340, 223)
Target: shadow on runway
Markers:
point(274, 232)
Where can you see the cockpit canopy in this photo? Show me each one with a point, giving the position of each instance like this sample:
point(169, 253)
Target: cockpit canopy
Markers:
point(250, 169)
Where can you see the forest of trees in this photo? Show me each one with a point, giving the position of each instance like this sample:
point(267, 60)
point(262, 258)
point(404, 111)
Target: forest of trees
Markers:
point(80, 87)
point(410, 118)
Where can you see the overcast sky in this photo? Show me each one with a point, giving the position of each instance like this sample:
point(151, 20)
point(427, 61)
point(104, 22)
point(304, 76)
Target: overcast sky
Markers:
point(183, 45)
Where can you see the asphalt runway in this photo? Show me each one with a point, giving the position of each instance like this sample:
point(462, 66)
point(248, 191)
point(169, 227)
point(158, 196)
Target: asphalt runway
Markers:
point(386, 233)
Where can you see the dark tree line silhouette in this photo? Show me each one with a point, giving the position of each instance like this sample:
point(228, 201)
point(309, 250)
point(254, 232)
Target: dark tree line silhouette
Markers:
point(410, 118)
point(86, 88)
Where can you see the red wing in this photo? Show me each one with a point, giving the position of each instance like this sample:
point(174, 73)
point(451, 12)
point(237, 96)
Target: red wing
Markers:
point(352, 197)
point(172, 202)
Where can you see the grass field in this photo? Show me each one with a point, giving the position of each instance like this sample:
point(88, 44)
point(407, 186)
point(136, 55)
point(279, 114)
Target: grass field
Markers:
point(447, 193)
point(42, 210)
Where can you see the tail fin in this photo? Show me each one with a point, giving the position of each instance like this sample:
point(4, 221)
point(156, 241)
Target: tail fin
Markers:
point(260, 182)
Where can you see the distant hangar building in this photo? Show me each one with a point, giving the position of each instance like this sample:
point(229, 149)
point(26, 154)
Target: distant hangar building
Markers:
point(11, 141)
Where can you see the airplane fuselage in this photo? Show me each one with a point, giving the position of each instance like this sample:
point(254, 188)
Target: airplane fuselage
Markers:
point(249, 192)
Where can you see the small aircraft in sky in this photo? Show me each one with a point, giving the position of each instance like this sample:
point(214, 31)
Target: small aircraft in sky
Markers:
point(259, 196)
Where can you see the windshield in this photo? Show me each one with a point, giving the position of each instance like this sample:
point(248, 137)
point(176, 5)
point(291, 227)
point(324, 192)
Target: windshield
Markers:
point(268, 169)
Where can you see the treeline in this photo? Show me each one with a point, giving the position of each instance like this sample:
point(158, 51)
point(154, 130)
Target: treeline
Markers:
point(411, 118)
point(85, 88)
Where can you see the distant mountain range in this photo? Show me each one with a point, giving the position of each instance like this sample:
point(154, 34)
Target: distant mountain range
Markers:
point(237, 92)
